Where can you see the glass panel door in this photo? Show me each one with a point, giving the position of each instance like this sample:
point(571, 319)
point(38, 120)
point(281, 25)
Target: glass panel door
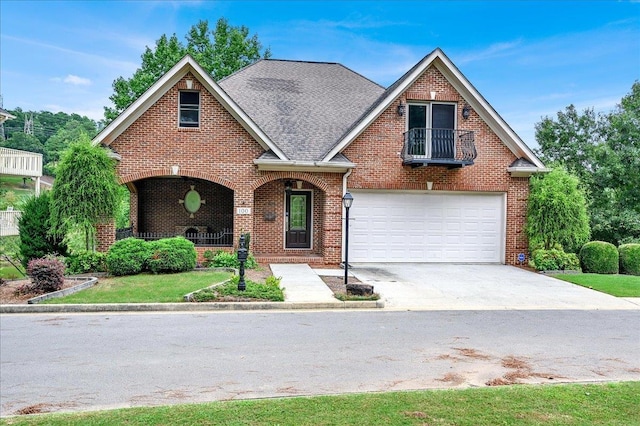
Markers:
point(298, 220)
point(417, 130)
point(443, 135)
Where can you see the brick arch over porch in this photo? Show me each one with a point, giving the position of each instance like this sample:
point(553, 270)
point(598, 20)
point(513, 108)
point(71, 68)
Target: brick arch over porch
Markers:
point(182, 172)
point(312, 179)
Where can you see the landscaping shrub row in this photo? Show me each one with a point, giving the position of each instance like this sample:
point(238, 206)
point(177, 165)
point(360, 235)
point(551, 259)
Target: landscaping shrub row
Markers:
point(131, 256)
point(599, 257)
point(596, 257)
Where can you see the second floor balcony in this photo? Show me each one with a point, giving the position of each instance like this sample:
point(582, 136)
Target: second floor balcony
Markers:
point(438, 147)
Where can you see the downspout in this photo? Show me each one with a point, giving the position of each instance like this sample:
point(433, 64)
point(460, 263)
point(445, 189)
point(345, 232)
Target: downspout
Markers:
point(344, 224)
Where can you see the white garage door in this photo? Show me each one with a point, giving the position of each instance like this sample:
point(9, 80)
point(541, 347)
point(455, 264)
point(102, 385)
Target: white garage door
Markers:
point(426, 227)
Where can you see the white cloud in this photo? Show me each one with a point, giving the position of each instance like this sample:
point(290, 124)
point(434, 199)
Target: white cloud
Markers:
point(127, 66)
point(493, 51)
point(76, 81)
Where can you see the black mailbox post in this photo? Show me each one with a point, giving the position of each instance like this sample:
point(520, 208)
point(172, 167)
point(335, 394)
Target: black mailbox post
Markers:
point(243, 253)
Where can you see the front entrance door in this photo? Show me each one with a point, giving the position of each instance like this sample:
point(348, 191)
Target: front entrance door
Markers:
point(298, 219)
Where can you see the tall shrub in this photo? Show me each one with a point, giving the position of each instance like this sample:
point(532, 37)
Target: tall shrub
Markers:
point(36, 240)
point(629, 259)
point(599, 257)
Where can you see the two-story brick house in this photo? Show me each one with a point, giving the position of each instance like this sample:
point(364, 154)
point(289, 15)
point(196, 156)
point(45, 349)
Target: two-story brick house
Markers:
point(435, 172)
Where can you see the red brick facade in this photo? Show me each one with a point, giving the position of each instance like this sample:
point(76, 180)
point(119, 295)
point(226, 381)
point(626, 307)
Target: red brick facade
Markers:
point(217, 158)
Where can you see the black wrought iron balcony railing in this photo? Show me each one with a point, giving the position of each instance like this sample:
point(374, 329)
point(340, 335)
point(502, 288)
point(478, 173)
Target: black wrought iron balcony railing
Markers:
point(444, 147)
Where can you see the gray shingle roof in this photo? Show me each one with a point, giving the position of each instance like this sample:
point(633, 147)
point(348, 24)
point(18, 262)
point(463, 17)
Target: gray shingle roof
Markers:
point(304, 107)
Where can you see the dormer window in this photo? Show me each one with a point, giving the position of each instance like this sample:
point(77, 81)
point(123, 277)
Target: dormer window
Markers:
point(189, 115)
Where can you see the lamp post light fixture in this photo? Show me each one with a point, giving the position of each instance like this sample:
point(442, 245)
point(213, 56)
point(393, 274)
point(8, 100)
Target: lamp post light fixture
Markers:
point(288, 185)
point(347, 201)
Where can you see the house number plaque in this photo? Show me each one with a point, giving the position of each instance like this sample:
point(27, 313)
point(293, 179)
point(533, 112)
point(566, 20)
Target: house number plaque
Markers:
point(243, 210)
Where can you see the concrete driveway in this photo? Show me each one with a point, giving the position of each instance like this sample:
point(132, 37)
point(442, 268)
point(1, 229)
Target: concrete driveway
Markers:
point(420, 286)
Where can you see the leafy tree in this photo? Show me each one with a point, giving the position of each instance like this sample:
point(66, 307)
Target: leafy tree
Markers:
point(24, 142)
point(85, 192)
point(230, 50)
point(60, 141)
point(570, 141)
point(220, 52)
point(34, 225)
point(619, 158)
point(604, 152)
point(557, 212)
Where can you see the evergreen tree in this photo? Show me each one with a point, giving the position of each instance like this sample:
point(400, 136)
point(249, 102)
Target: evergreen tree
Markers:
point(34, 225)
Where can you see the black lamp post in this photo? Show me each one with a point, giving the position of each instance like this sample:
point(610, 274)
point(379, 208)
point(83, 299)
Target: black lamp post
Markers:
point(243, 254)
point(347, 201)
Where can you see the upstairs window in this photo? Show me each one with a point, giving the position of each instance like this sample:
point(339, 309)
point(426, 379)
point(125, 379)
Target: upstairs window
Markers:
point(189, 115)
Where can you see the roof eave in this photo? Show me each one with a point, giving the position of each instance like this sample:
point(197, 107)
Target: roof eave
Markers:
point(526, 171)
point(303, 166)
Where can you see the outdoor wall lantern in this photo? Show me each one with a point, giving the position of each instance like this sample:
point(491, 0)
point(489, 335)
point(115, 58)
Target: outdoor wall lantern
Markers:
point(347, 201)
point(466, 110)
point(287, 186)
point(401, 109)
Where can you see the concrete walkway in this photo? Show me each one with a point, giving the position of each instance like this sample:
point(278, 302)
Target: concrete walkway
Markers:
point(301, 284)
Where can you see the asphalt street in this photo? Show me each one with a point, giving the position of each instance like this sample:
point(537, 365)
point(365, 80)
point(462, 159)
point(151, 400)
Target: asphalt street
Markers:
point(75, 362)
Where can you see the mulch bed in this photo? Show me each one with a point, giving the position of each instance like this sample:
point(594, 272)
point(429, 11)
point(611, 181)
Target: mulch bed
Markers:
point(9, 295)
point(336, 284)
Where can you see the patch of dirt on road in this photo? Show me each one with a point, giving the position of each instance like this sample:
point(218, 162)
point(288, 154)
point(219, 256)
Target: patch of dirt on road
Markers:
point(42, 407)
point(471, 353)
point(453, 378)
point(520, 370)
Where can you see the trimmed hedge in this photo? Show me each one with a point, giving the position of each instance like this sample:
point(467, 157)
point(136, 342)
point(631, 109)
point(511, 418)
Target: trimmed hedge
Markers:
point(128, 256)
point(85, 262)
point(555, 260)
point(629, 259)
point(599, 257)
point(171, 255)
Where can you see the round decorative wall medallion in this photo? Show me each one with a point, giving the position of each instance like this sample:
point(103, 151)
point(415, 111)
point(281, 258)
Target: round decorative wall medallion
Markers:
point(192, 201)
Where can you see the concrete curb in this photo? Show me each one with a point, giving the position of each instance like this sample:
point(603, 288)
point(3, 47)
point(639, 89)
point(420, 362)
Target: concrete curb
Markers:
point(187, 307)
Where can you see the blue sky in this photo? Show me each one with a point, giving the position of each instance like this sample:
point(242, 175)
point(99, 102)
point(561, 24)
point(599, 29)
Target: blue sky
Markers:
point(529, 59)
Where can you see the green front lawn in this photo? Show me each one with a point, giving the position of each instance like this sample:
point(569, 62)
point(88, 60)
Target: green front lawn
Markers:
point(595, 404)
point(615, 285)
point(145, 288)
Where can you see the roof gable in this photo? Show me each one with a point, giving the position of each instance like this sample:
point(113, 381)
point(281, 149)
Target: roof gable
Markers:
point(304, 107)
point(167, 81)
point(438, 59)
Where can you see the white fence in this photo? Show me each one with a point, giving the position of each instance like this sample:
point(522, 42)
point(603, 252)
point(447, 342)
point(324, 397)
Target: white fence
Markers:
point(9, 222)
point(20, 163)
